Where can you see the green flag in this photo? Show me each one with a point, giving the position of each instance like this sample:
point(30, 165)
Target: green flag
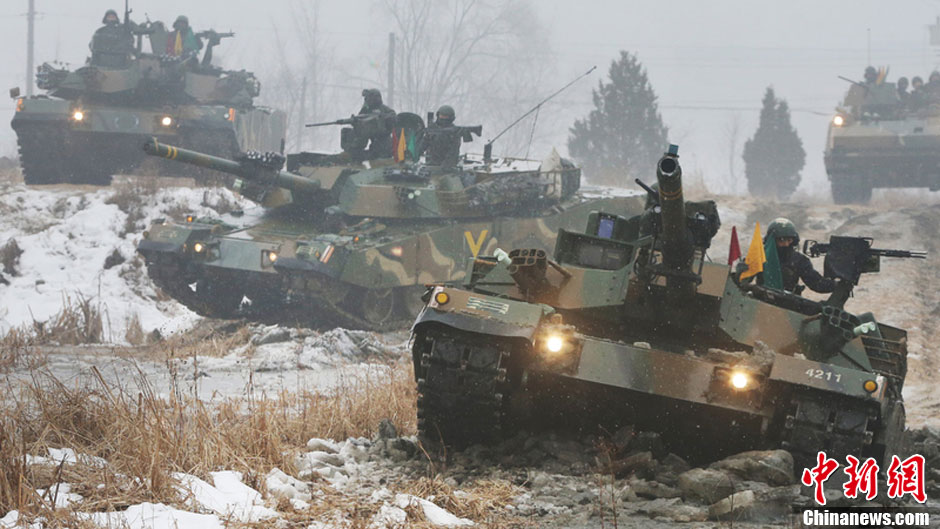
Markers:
point(773, 276)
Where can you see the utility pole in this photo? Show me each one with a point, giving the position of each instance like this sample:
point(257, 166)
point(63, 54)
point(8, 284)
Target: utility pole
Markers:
point(391, 70)
point(30, 16)
point(303, 116)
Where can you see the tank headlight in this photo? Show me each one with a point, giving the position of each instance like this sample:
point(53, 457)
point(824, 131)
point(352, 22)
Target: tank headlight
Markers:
point(198, 247)
point(838, 120)
point(272, 256)
point(78, 115)
point(166, 121)
point(554, 343)
point(441, 298)
point(20, 104)
point(740, 380)
point(870, 386)
point(190, 218)
point(396, 251)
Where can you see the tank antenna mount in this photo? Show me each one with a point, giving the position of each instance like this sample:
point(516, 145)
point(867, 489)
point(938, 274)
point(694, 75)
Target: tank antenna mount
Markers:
point(488, 148)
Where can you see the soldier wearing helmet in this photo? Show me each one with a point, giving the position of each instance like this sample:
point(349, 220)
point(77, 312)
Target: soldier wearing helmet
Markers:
point(444, 137)
point(377, 120)
point(182, 42)
point(112, 45)
point(793, 264)
point(871, 75)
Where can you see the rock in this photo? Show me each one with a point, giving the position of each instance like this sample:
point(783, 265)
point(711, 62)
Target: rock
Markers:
point(387, 430)
point(765, 506)
point(272, 334)
point(674, 463)
point(648, 442)
point(706, 485)
point(636, 463)
point(768, 466)
point(623, 437)
point(652, 489)
point(673, 509)
point(114, 259)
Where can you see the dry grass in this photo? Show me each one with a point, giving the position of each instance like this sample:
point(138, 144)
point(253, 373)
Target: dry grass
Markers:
point(482, 498)
point(79, 322)
point(145, 437)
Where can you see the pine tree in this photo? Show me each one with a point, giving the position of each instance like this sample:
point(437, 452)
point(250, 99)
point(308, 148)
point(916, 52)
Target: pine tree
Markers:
point(774, 157)
point(624, 135)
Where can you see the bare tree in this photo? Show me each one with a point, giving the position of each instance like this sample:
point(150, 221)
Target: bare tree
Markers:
point(489, 59)
point(299, 84)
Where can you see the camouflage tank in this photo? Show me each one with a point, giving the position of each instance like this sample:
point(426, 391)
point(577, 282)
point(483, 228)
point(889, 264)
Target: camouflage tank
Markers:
point(91, 121)
point(875, 140)
point(630, 324)
point(345, 243)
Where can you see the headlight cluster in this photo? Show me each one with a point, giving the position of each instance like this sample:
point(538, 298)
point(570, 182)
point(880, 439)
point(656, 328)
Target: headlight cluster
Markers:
point(838, 120)
point(78, 115)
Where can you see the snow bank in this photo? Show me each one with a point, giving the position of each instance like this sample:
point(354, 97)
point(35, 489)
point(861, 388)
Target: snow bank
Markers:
point(66, 233)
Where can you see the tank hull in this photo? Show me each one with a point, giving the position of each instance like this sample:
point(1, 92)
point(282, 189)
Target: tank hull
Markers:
point(370, 278)
point(790, 402)
point(885, 154)
point(56, 148)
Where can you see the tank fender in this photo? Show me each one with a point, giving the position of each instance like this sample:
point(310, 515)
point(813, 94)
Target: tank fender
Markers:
point(479, 313)
point(827, 377)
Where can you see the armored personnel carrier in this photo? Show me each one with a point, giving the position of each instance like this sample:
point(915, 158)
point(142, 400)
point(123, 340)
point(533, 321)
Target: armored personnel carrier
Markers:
point(630, 323)
point(875, 140)
point(91, 121)
point(352, 243)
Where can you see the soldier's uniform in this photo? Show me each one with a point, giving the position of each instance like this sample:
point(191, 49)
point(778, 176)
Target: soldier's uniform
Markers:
point(793, 264)
point(443, 139)
point(112, 44)
point(378, 134)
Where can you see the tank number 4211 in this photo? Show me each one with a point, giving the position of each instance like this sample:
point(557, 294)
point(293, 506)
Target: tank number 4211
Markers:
point(823, 374)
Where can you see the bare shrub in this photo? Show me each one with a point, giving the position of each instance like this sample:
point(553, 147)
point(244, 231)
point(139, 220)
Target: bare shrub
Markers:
point(10, 257)
point(134, 332)
point(79, 322)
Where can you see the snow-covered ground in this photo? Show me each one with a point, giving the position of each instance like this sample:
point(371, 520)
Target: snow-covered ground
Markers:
point(66, 233)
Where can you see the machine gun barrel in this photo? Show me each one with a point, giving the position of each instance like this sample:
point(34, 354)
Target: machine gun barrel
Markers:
point(677, 250)
point(251, 171)
point(346, 121)
point(815, 249)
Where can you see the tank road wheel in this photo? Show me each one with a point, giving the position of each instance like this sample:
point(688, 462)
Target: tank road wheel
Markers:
point(377, 306)
point(846, 190)
point(463, 386)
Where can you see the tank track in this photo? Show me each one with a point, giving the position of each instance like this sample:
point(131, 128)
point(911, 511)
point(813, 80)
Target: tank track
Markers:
point(210, 304)
point(462, 387)
point(46, 158)
point(836, 427)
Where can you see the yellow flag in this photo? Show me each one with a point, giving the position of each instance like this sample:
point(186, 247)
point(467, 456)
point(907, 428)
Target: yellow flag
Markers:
point(178, 45)
point(755, 257)
point(401, 147)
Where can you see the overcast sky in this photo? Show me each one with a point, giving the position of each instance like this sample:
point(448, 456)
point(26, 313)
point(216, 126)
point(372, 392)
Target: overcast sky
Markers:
point(709, 62)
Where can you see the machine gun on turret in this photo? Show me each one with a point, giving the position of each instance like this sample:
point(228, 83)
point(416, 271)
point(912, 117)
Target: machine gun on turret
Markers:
point(847, 258)
point(213, 39)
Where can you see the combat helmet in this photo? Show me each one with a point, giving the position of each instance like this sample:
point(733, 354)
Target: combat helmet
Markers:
point(446, 115)
point(372, 97)
point(180, 20)
point(108, 13)
point(782, 227)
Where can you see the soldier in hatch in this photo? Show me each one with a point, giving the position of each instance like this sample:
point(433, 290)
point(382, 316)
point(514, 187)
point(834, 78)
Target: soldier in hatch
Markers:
point(112, 44)
point(793, 264)
point(182, 42)
point(378, 120)
point(443, 138)
point(903, 94)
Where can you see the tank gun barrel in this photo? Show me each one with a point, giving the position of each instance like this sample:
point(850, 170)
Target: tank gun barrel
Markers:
point(677, 250)
point(249, 170)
